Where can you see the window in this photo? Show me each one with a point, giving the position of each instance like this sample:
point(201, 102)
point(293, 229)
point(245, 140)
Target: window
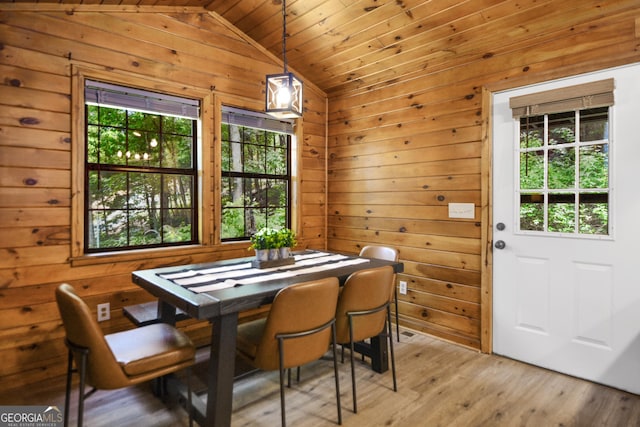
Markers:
point(140, 169)
point(563, 155)
point(256, 173)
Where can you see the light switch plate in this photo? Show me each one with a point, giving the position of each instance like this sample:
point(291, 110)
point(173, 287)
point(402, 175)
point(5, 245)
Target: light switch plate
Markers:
point(462, 210)
point(403, 287)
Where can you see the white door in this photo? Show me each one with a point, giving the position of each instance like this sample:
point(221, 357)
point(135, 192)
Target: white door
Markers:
point(567, 296)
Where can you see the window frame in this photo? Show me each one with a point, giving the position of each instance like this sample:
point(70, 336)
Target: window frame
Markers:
point(287, 177)
point(204, 141)
point(295, 189)
point(163, 172)
point(576, 192)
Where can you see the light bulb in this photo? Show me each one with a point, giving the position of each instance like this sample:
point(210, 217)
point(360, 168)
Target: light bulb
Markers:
point(145, 156)
point(153, 142)
point(119, 154)
point(283, 96)
point(128, 154)
point(137, 156)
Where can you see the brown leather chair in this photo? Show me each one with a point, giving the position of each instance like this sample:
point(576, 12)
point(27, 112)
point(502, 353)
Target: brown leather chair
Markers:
point(122, 359)
point(298, 329)
point(388, 254)
point(363, 312)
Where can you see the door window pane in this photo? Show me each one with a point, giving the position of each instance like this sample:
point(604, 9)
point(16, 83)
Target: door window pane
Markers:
point(532, 212)
point(532, 170)
point(562, 167)
point(564, 172)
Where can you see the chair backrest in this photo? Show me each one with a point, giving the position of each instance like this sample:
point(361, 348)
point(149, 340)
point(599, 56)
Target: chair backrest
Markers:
point(364, 290)
point(103, 371)
point(379, 252)
point(297, 308)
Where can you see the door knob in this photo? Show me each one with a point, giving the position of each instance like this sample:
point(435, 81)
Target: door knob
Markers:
point(500, 226)
point(500, 244)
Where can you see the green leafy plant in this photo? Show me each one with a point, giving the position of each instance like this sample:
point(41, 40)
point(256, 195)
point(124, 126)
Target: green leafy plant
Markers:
point(270, 238)
point(286, 238)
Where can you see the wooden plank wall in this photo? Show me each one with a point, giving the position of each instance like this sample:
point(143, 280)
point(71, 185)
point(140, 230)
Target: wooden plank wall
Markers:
point(39, 48)
point(411, 138)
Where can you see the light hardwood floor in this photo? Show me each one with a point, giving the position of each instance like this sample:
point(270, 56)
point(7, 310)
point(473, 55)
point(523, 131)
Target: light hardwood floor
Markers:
point(439, 384)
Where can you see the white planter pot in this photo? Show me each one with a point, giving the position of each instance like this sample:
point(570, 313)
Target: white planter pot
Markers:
point(262, 254)
point(285, 253)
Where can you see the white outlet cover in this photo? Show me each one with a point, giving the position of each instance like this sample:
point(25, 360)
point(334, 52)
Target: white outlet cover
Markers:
point(462, 210)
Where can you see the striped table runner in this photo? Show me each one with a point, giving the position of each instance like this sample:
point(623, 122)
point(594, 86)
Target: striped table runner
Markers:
point(215, 278)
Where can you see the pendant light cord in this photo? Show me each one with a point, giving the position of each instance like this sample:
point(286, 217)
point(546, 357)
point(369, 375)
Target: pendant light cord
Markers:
point(284, 34)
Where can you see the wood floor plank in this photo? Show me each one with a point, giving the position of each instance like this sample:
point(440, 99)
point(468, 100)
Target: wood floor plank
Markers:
point(439, 384)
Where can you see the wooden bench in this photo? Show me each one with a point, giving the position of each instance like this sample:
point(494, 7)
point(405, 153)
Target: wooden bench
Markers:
point(147, 313)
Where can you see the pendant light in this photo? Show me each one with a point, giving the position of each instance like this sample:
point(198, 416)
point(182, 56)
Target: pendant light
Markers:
point(284, 91)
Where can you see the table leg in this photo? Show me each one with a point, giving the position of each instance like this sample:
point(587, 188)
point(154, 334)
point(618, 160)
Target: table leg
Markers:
point(166, 314)
point(377, 350)
point(221, 370)
point(379, 353)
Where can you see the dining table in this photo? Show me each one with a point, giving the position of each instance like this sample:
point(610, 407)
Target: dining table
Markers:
point(218, 291)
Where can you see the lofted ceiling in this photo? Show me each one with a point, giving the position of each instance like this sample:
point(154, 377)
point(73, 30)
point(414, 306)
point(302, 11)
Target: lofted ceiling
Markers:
point(343, 45)
point(349, 46)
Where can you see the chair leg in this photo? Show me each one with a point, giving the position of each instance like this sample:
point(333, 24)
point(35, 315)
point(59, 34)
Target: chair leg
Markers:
point(189, 401)
point(397, 316)
point(81, 395)
point(353, 369)
point(393, 357)
point(67, 395)
point(281, 366)
point(335, 372)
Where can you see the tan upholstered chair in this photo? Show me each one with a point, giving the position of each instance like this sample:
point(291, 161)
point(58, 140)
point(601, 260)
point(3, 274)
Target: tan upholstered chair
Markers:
point(298, 329)
point(117, 360)
point(388, 254)
point(363, 312)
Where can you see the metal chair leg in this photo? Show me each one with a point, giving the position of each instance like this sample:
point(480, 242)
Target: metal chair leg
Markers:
point(397, 315)
point(393, 357)
point(281, 366)
point(189, 400)
point(353, 369)
point(335, 372)
point(67, 395)
point(82, 371)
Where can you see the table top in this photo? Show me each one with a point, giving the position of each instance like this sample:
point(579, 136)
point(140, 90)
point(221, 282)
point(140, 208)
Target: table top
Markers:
point(233, 296)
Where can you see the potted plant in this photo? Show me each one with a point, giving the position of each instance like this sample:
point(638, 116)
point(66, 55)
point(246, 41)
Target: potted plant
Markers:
point(286, 241)
point(273, 245)
point(260, 242)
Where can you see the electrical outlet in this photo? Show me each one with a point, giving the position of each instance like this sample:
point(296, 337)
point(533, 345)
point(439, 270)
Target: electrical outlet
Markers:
point(104, 312)
point(403, 287)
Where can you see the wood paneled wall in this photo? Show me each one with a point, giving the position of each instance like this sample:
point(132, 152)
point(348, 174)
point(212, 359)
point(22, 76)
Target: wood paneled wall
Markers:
point(39, 50)
point(412, 137)
point(404, 141)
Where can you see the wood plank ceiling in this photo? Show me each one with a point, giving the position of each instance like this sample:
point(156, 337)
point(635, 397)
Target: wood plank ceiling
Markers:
point(346, 46)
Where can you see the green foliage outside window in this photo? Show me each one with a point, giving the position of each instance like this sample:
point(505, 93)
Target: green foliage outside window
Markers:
point(558, 189)
point(255, 181)
point(140, 179)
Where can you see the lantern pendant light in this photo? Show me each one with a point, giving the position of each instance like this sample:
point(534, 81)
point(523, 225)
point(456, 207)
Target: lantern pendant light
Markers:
point(284, 91)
